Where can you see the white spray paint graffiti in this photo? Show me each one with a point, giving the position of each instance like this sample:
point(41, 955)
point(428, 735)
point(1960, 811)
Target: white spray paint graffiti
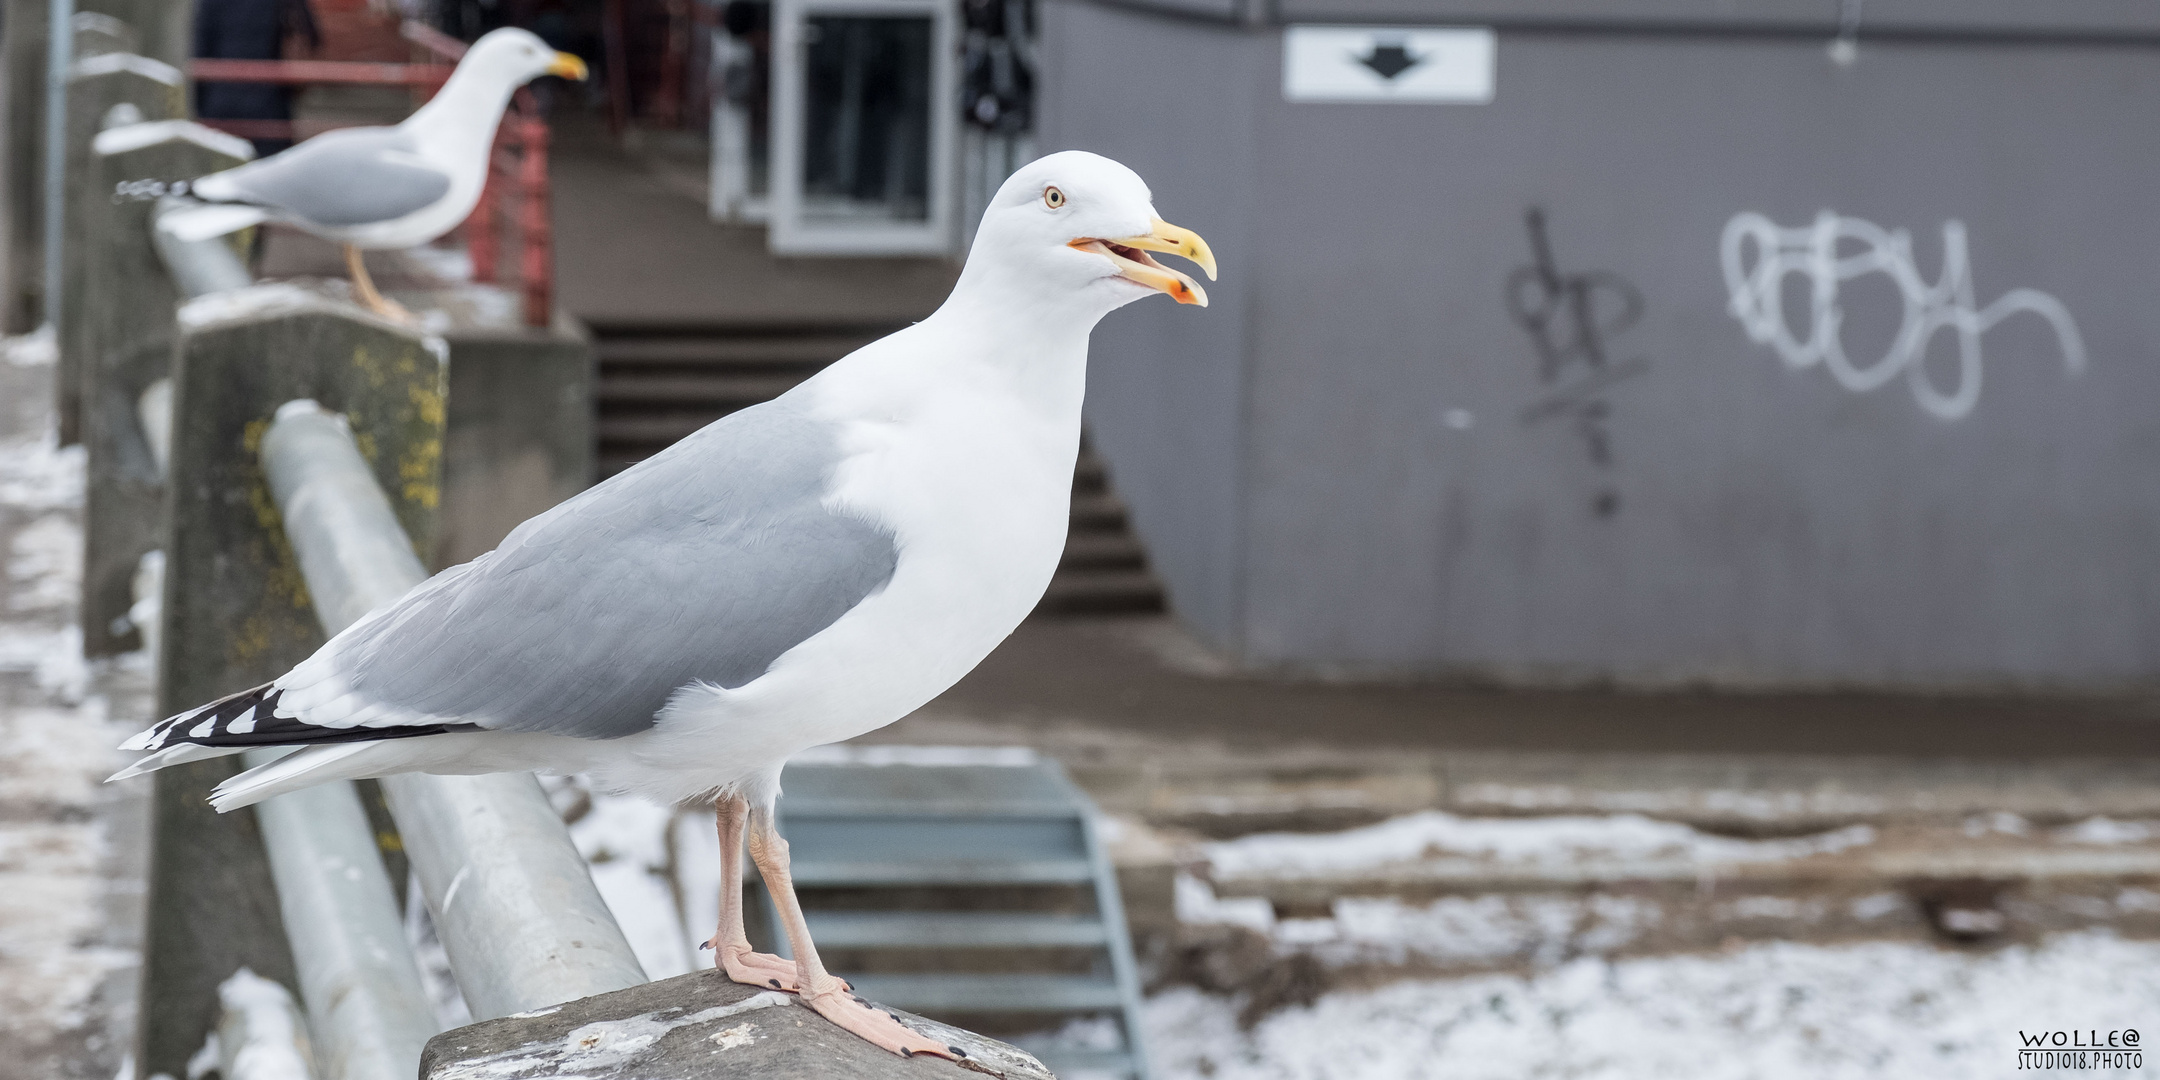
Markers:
point(1757, 255)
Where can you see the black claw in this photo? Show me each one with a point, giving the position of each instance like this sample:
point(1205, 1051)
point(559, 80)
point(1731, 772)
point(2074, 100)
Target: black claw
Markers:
point(705, 947)
point(775, 983)
point(906, 1053)
point(956, 1051)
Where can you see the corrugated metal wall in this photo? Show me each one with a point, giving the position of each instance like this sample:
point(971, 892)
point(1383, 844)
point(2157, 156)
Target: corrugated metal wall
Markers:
point(1403, 441)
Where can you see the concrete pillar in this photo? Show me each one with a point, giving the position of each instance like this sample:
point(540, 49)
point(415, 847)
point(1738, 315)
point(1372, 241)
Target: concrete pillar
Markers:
point(22, 52)
point(103, 89)
point(97, 33)
point(521, 431)
point(128, 306)
point(162, 30)
point(236, 612)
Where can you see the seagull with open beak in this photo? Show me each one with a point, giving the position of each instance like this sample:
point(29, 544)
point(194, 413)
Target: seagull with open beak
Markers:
point(791, 575)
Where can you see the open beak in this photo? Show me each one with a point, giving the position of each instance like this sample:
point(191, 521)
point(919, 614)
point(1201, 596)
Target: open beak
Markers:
point(568, 66)
point(1130, 254)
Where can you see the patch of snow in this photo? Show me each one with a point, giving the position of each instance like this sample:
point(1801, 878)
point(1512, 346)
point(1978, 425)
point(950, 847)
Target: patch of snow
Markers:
point(444, 998)
point(1539, 840)
point(624, 839)
point(52, 656)
point(40, 348)
point(607, 1045)
point(1750, 805)
point(1197, 905)
point(1876, 905)
point(2109, 832)
point(44, 565)
point(262, 1036)
point(448, 264)
point(736, 1037)
point(39, 474)
point(1777, 1011)
point(1999, 822)
point(262, 298)
point(2139, 901)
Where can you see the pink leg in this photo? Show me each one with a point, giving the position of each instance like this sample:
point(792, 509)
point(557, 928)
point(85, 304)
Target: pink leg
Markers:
point(820, 990)
point(729, 942)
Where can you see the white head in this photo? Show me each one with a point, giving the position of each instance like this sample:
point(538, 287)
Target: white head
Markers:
point(511, 57)
point(1076, 228)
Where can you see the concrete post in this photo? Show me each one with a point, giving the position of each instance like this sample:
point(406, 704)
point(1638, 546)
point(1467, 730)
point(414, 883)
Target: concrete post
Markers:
point(163, 30)
point(119, 87)
point(702, 1025)
point(521, 431)
point(97, 34)
point(236, 610)
point(22, 41)
point(128, 305)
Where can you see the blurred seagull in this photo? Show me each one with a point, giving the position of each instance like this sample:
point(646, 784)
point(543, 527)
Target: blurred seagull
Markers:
point(794, 574)
point(382, 187)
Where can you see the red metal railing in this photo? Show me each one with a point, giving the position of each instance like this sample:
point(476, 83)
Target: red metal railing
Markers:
point(516, 194)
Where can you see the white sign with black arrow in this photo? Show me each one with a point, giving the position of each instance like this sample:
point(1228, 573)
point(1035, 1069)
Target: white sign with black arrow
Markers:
point(1388, 63)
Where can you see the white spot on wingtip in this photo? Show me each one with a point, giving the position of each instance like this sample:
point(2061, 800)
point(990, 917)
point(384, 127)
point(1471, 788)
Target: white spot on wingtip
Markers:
point(203, 729)
point(244, 724)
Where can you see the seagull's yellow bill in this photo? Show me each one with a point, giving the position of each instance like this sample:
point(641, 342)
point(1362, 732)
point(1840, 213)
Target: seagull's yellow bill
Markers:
point(1135, 264)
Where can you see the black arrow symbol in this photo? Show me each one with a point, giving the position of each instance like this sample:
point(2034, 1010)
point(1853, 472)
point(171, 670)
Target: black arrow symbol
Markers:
point(1390, 60)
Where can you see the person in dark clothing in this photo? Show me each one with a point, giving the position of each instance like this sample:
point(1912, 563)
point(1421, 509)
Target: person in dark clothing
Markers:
point(249, 30)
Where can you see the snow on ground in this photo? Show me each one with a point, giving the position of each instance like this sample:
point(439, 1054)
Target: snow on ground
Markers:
point(1767, 1011)
point(68, 875)
point(1778, 1011)
point(1559, 839)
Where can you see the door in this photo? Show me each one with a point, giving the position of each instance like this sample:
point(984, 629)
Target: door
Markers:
point(863, 127)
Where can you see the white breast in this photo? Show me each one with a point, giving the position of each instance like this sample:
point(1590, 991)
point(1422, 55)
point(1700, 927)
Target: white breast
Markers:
point(971, 468)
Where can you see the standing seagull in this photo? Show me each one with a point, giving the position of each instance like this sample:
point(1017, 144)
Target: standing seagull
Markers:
point(794, 574)
point(382, 187)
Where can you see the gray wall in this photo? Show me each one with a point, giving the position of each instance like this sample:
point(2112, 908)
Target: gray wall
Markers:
point(1295, 458)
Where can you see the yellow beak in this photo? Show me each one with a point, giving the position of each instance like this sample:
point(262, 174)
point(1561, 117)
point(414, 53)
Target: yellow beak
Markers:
point(568, 66)
point(1133, 262)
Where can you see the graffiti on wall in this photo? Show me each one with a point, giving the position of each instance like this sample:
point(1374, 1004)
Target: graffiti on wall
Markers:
point(1757, 256)
point(1571, 320)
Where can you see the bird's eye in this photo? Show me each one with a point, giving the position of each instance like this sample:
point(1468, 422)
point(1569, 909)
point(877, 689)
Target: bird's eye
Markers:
point(1053, 198)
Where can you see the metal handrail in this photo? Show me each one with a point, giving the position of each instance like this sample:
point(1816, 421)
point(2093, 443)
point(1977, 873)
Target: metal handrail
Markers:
point(513, 901)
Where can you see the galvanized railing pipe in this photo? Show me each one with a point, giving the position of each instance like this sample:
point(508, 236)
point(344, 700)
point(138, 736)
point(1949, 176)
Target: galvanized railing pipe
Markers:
point(198, 267)
point(512, 900)
point(368, 1012)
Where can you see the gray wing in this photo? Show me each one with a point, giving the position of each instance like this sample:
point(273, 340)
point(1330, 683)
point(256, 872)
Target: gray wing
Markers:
point(351, 177)
point(704, 562)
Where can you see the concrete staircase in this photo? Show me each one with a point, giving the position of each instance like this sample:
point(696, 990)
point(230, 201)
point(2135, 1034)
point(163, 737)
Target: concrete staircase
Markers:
point(657, 384)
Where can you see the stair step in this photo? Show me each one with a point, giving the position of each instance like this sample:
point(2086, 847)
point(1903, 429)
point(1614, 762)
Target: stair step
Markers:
point(794, 349)
point(722, 392)
point(941, 929)
point(1104, 550)
point(655, 431)
point(844, 873)
point(988, 993)
point(1104, 591)
point(1101, 510)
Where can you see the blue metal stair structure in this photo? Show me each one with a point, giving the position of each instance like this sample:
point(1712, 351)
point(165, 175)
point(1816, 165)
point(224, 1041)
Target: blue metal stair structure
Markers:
point(960, 827)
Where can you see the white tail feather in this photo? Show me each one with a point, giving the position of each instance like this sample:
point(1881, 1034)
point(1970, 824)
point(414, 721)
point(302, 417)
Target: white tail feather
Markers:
point(172, 755)
point(311, 765)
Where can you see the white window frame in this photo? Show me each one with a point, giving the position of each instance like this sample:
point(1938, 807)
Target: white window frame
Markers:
point(789, 233)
